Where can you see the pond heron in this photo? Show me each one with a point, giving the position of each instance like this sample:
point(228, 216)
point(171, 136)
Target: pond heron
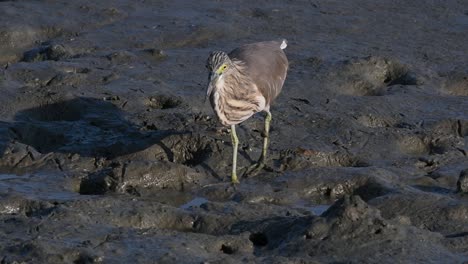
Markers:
point(245, 82)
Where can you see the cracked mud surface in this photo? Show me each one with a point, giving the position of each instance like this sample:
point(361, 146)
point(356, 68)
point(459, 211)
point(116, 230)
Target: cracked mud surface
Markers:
point(110, 155)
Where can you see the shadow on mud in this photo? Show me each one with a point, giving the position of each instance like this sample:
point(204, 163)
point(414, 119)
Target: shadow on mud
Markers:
point(86, 126)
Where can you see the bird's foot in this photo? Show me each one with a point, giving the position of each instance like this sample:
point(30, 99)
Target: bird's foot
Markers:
point(234, 179)
point(254, 169)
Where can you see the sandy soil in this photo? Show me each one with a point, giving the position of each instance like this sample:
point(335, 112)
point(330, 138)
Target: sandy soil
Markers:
point(109, 153)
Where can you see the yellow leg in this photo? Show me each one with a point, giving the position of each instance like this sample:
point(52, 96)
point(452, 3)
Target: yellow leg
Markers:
point(235, 143)
point(261, 161)
point(266, 138)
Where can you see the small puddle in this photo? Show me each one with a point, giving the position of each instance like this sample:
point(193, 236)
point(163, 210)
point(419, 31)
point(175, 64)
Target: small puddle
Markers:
point(37, 186)
point(197, 201)
point(318, 210)
point(178, 199)
point(7, 176)
point(433, 189)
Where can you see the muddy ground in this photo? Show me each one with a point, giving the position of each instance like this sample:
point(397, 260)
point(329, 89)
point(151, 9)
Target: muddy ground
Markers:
point(109, 153)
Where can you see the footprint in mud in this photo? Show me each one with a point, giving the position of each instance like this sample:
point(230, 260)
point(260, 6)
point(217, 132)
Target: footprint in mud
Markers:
point(441, 137)
point(187, 149)
point(163, 102)
point(371, 76)
point(121, 57)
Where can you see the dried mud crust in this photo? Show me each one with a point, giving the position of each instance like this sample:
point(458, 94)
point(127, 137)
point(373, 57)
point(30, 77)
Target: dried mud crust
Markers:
point(109, 153)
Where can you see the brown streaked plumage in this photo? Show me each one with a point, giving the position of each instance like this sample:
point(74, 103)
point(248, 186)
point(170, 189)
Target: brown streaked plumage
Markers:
point(244, 82)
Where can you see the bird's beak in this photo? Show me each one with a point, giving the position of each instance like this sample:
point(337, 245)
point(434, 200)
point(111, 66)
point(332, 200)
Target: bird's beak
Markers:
point(211, 84)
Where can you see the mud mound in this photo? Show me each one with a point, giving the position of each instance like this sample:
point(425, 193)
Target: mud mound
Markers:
point(348, 221)
point(163, 102)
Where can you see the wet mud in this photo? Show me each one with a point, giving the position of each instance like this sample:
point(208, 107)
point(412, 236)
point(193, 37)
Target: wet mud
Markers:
point(109, 153)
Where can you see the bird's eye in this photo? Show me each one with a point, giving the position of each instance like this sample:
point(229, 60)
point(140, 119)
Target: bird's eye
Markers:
point(221, 69)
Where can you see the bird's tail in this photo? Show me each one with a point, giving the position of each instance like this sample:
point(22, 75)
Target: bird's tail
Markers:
point(284, 44)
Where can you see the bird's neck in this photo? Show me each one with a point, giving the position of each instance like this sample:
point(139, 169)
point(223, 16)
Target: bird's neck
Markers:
point(237, 75)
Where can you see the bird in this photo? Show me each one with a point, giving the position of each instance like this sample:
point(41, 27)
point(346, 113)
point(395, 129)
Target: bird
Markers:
point(245, 82)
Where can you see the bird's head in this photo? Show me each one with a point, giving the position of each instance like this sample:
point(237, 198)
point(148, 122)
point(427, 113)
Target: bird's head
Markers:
point(218, 64)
